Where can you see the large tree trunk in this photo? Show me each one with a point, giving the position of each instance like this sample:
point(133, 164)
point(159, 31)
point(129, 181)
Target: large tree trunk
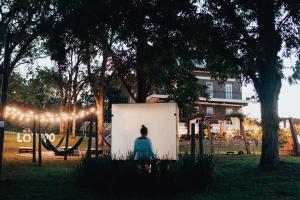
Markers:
point(62, 128)
point(74, 97)
point(62, 124)
point(268, 84)
point(69, 103)
point(4, 89)
point(74, 122)
point(99, 93)
point(270, 128)
point(100, 118)
point(142, 88)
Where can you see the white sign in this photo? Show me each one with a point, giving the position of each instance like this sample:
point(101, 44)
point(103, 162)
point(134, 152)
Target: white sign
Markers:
point(161, 119)
point(27, 137)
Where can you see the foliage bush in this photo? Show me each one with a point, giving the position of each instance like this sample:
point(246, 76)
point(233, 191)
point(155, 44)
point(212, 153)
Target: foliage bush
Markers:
point(186, 175)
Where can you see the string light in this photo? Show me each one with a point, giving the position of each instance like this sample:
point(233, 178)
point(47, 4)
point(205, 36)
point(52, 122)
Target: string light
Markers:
point(13, 113)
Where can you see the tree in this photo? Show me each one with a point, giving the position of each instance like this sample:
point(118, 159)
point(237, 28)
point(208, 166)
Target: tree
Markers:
point(183, 87)
point(130, 39)
point(247, 39)
point(94, 41)
point(26, 21)
point(151, 43)
point(113, 94)
point(21, 22)
point(46, 93)
point(17, 88)
point(69, 75)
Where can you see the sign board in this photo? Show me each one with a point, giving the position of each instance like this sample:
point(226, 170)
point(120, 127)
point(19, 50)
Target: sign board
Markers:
point(161, 119)
point(27, 137)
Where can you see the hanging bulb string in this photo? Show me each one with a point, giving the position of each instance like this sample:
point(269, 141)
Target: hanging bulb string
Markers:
point(14, 113)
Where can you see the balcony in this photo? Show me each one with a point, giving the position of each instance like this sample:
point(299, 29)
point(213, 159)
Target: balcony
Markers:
point(222, 97)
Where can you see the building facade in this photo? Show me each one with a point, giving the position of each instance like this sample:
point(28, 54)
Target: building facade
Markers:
point(225, 98)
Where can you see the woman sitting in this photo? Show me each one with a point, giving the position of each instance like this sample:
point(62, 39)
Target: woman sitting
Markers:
point(143, 147)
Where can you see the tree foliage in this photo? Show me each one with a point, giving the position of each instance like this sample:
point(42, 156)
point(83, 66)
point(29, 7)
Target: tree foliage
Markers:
point(245, 40)
point(45, 94)
point(26, 21)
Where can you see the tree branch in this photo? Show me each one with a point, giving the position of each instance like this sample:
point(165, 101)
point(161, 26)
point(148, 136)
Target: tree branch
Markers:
point(239, 25)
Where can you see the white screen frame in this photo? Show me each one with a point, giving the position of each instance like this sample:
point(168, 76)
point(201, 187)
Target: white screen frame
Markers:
point(161, 119)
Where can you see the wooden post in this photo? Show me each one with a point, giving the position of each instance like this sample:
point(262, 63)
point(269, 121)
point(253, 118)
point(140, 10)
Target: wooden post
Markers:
point(40, 145)
point(296, 146)
point(4, 88)
point(211, 143)
point(201, 135)
point(220, 136)
point(90, 139)
point(193, 140)
point(242, 131)
point(67, 141)
point(34, 141)
point(96, 138)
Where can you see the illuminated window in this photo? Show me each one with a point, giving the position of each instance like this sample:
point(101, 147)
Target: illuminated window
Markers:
point(229, 111)
point(210, 89)
point(228, 91)
point(210, 110)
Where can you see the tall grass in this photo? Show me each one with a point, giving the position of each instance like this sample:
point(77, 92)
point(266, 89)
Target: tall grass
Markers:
point(186, 175)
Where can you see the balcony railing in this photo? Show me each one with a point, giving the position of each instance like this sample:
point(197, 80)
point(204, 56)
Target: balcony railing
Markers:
point(218, 94)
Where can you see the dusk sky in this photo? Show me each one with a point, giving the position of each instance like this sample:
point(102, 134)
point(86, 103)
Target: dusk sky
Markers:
point(289, 99)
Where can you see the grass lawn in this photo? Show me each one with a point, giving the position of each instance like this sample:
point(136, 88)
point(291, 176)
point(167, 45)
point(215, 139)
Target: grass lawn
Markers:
point(238, 178)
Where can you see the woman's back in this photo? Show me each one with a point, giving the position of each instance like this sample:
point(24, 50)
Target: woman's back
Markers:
point(143, 149)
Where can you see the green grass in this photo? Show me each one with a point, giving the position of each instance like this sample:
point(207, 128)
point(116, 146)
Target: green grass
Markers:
point(238, 178)
point(221, 149)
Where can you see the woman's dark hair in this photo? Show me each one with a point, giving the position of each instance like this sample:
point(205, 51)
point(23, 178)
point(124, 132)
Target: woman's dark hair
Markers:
point(144, 130)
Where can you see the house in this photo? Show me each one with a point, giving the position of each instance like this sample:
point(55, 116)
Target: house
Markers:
point(224, 99)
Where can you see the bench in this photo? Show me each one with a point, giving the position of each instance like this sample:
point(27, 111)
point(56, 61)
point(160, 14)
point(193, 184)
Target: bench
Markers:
point(100, 152)
point(74, 153)
point(61, 149)
point(25, 150)
point(234, 153)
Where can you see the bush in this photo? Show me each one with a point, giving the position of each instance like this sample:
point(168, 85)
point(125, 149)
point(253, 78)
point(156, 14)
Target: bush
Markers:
point(128, 176)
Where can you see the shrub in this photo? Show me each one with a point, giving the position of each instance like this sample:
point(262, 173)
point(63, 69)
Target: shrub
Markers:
point(128, 176)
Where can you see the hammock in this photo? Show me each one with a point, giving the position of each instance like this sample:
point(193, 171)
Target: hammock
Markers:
point(60, 142)
point(49, 146)
point(57, 146)
point(105, 141)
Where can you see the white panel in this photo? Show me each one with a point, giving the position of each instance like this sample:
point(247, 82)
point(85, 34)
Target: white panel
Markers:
point(161, 119)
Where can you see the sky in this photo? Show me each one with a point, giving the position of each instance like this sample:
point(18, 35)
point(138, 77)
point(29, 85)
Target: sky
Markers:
point(289, 98)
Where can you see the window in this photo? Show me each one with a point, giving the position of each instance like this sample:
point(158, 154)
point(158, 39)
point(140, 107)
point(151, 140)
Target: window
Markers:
point(210, 89)
point(209, 110)
point(228, 111)
point(229, 122)
point(228, 91)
